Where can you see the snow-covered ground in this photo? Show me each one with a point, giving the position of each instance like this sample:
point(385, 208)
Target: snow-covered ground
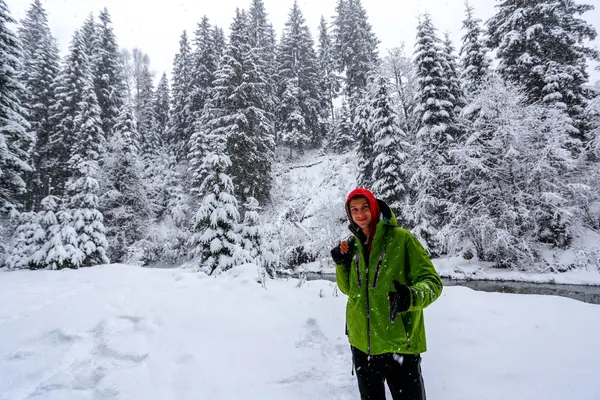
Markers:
point(123, 332)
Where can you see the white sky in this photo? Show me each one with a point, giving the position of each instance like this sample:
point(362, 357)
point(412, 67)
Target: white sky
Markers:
point(155, 26)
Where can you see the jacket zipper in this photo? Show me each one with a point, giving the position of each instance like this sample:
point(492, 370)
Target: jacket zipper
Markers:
point(381, 255)
point(368, 306)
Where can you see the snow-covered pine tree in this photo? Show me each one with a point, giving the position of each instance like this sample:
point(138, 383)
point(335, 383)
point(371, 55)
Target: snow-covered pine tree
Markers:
point(40, 68)
point(215, 240)
point(146, 118)
point(295, 133)
point(363, 134)
point(181, 118)
point(252, 232)
point(261, 37)
point(474, 54)
point(125, 201)
point(68, 92)
point(400, 70)
point(452, 75)
point(108, 75)
point(204, 64)
point(59, 249)
point(542, 45)
point(436, 131)
point(238, 108)
point(330, 81)
point(219, 43)
point(355, 47)
point(27, 239)
point(300, 99)
point(90, 40)
point(88, 146)
point(15, 139)
point(343, 138)
point(162, 111)
point(390, 171)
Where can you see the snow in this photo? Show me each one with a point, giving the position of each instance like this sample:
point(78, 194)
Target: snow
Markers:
point(124, 332)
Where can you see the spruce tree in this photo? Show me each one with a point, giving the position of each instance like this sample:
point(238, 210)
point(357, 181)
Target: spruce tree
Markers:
point(400, 70)
point(40, 68)
point(474, 59)
point(343, 137)
point(162, 109)
point(181, 115)
point(125, 199)
point(298, 74)
point(15, 139)
point(82, 187)
point(68, 92)
point(215, 240)
point(364, 141)
point(452, 75)
point(329, 80)
point(27, 239)
point(108, 76)
point(390, 172)
point(238, 107)
point(252, 232)
point(219, 43)
point(542, 46)
point(355, 47)
point(295, 133)
point(436, 132)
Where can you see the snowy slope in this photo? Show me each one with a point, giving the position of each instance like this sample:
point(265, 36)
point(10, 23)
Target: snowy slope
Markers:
point(124, 332)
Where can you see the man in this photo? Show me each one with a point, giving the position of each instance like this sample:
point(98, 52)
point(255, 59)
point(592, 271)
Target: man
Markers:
point(389, 280)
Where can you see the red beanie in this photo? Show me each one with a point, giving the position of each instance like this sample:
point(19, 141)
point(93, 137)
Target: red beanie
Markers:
point(374, 207)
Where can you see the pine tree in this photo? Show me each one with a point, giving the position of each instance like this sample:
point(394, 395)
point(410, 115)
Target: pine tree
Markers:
point(82, 188)
point(68, 92)
point(108, 77)
point(330, 81)
point(15, 139)
point(25, 242)
point(390, 172)
point(90, 40)
point(355, 47)
point(59, 248)
point(238, 108)
point(452, 75)
point(541, 45)
point(162, 112)
point(343, 137)
point(146, 118)
point(297, 63)
point(365, 141)
point(181, 115)
point(125, 200)
point(436, 131)
point(252, 232)
point(215, 240)
point(295, 132)
point(219, 43)
point(474, 59)
point(40, 68)
point(204, 65)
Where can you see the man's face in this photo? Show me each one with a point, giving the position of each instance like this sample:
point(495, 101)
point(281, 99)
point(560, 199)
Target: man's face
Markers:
point(360, 212)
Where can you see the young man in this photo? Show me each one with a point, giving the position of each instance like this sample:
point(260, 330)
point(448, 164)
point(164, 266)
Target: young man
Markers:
point(389, 280)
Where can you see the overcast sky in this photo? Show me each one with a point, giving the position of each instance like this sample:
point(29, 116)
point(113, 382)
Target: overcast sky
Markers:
point(155, 26)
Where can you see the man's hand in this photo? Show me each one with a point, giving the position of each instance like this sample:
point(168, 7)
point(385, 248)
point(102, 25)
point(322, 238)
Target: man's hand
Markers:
point(399, 300)
point(341, 253)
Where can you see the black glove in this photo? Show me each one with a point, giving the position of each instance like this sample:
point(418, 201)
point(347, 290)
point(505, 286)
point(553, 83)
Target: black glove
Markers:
point(399, 300)
point(339, 258)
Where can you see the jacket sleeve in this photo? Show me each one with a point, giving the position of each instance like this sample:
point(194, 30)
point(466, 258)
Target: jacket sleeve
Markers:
point(426, 284)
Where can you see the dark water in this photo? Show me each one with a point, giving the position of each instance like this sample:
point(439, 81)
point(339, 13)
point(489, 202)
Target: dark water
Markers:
point(587, 294)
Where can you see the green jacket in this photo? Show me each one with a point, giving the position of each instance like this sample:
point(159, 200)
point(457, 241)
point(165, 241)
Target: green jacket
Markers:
point(395, 255)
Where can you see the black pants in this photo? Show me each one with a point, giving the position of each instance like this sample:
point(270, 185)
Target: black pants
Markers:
point(402, 372)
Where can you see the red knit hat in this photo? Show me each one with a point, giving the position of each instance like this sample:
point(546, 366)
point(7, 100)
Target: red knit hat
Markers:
point(373, 206)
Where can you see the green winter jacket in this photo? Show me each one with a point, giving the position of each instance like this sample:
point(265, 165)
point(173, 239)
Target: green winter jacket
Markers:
point(395, 255)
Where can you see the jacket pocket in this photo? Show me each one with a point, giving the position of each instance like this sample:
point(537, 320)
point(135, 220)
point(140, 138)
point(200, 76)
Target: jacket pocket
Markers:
point(379, 262)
